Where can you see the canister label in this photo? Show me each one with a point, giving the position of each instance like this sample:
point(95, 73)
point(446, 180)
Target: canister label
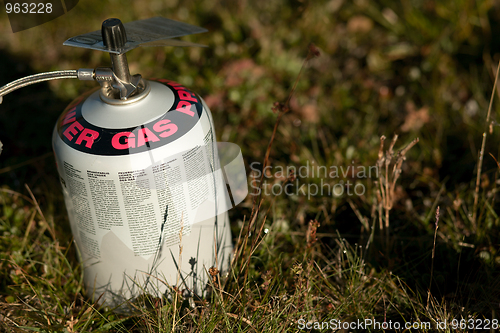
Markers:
point(177, 120)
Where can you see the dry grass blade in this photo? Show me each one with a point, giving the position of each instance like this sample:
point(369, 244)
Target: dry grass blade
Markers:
point(387, 180)
point(30, 161)
point(498, 164)
point(481, 153)
point(254, 229)
point(433, 254)
point(6, 190)
point(361, 218)
point(49, 227)
point(283, 108)
point(243, 319)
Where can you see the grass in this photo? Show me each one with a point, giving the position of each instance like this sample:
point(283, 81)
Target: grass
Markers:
point(419, 69)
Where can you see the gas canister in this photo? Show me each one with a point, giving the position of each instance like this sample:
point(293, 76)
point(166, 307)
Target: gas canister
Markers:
point(140, 171)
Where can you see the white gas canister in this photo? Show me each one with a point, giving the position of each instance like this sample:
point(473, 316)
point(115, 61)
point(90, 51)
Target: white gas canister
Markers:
point(138, 180)
point(140, 172)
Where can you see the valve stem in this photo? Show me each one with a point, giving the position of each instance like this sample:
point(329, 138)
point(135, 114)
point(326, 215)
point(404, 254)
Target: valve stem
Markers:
point(114, 36)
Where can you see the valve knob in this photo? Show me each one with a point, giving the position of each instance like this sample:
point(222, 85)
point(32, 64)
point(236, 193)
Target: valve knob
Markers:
point(113, 33)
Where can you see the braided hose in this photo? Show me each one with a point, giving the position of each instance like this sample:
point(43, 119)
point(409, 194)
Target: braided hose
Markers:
point(36, 78)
